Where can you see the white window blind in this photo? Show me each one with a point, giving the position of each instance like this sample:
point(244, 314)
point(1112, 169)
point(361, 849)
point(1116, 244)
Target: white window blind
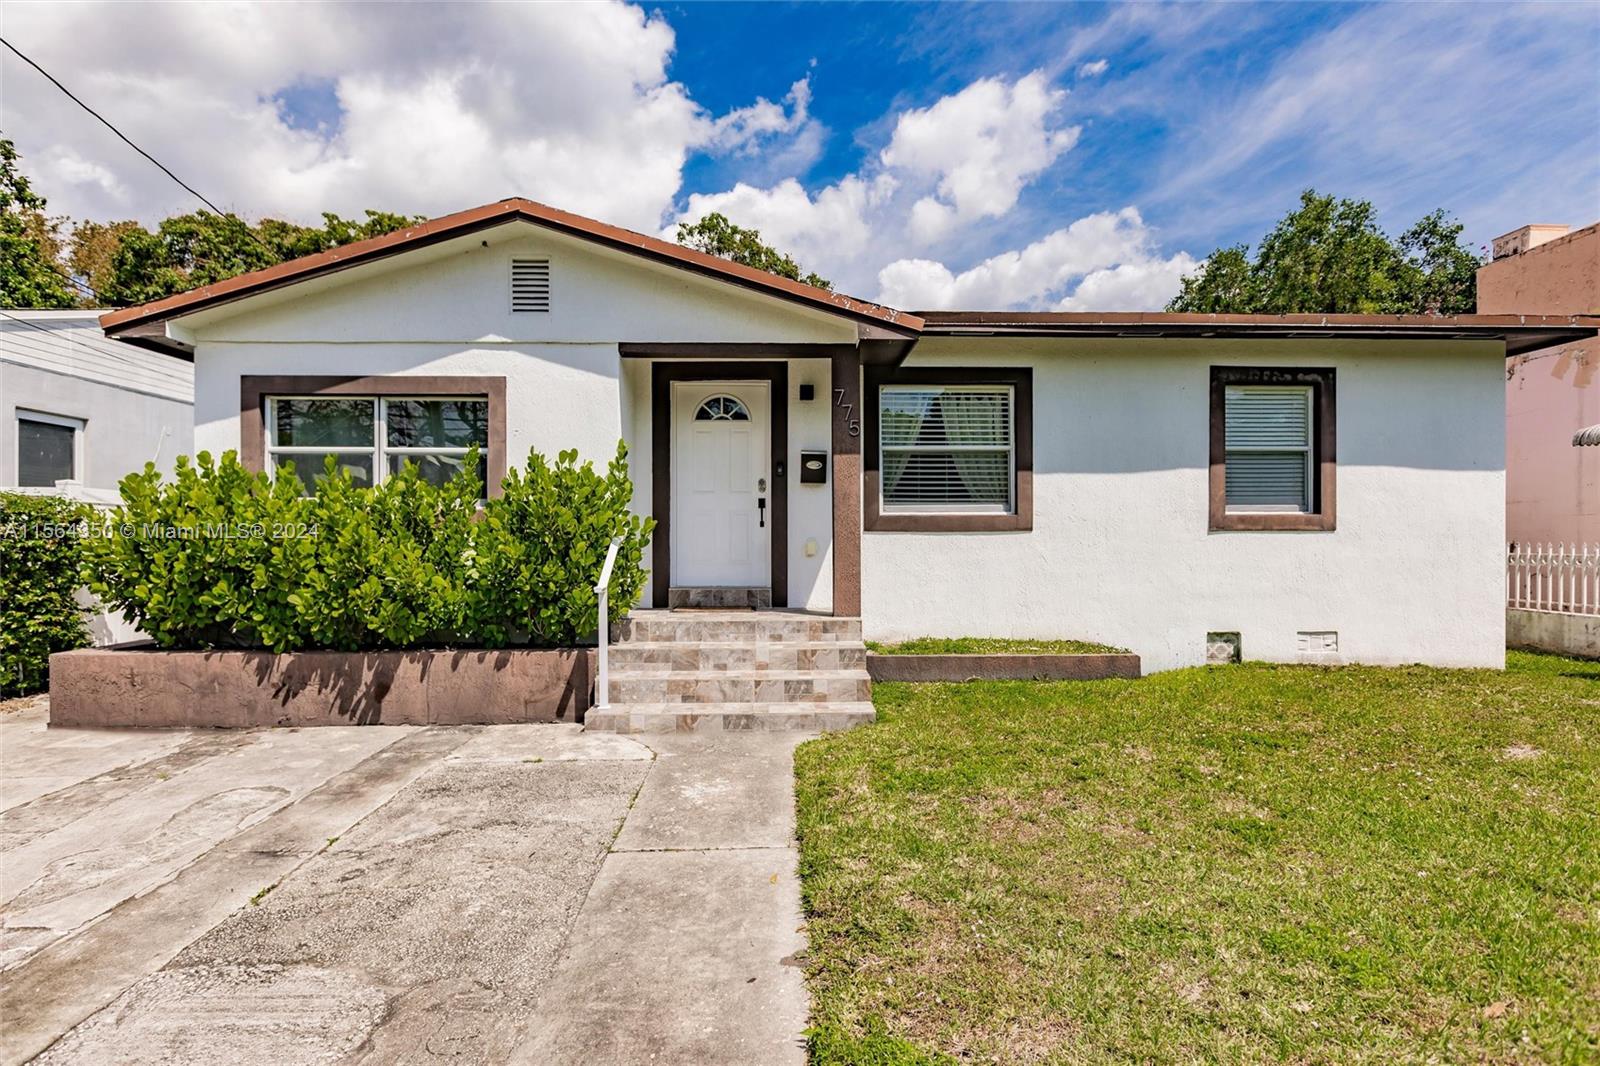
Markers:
point(946, 448)
point(530, 284)
point(1268, 432)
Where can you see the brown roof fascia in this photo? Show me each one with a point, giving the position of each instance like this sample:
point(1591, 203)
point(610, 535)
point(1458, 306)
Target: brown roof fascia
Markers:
point(1521, 333)
point(478, 218)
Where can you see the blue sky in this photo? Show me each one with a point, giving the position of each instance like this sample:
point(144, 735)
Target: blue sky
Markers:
point(1030, 155)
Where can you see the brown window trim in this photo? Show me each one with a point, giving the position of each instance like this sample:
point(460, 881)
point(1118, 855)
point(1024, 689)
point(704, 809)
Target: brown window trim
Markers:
point(1021, 381)
point(1324, 452)
point(255, 388)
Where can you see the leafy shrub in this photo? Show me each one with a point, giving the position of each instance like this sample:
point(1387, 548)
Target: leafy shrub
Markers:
point(40, 545)
point(222, 557)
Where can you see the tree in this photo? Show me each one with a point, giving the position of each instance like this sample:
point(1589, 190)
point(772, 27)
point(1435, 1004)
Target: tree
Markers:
point(92, 248)
point(128, 264)
point(1330, 256)
point(715, 235)
point(29, 242)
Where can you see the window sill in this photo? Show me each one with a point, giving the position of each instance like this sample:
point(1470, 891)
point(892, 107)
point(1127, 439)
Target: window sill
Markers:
point(1272, 521)
point(947, 523)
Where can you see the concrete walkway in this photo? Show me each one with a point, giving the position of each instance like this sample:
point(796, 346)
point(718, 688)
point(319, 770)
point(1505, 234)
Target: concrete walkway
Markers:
point(685, 950)
point(380, 894)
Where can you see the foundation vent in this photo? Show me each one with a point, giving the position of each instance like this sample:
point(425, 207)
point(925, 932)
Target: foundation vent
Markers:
point(530, 285)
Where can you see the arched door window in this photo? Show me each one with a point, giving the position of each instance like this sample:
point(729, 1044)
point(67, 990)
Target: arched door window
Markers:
point(722, 409)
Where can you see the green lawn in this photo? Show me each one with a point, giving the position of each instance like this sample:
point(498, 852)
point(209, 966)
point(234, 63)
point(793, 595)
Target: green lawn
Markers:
point(990, 646)
point(1234, 864)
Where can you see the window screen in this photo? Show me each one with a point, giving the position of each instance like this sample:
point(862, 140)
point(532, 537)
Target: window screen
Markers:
point(1269, 434)
point(946, 448)
point(46, 453)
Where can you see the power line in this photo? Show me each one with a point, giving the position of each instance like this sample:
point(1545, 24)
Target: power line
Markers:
point(106, 123)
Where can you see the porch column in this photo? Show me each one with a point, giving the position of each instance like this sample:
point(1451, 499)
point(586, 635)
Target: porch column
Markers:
point(847, 416)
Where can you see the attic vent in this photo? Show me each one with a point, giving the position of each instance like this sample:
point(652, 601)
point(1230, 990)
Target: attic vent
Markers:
point(530, 284)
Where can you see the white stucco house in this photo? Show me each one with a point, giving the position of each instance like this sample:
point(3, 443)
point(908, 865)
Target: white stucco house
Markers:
point(1327, 488)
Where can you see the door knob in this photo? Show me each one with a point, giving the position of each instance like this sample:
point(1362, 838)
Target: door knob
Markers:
point(761, 505)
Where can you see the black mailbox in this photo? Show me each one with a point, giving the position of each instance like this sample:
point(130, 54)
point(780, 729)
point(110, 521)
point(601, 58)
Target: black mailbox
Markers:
point(813, 468)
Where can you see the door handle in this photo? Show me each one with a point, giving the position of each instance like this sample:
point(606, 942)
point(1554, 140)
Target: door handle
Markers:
point(761, 505)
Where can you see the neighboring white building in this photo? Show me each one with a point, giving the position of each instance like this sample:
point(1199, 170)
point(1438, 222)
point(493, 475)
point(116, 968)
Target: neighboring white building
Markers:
point(80, 408)
point(1327, 488)
point(81, 412)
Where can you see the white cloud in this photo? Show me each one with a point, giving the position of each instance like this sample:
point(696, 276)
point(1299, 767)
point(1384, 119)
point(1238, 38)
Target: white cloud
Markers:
point(961, 160)
point(1139, 285)
point(979, 147)
point(1094, 69)
point(291, 111)
point(1112, 252)
point(835, 226)
point(443, 107)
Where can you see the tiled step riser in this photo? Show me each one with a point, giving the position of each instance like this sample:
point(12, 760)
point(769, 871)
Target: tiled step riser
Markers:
point(703, 658)
point(699, 689)
point(759, 599)
point(626, 720)
point(754, 629)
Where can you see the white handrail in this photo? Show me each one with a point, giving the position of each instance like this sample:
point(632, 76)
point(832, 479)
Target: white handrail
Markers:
point(602, 689)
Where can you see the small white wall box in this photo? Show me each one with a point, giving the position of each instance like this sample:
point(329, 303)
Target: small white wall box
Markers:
point(813, 468)
point(1317, 645)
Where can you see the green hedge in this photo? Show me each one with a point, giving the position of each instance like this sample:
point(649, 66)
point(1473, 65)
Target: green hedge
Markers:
point(40, 550)
point(223, 557)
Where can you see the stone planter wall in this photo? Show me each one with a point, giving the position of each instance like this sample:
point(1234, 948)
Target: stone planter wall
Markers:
point(234, 689)
point(1001, 667)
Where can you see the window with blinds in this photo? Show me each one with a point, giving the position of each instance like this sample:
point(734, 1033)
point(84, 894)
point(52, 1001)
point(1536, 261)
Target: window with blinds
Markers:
point(1269, 433)
point(47, 450)
point(947, 449)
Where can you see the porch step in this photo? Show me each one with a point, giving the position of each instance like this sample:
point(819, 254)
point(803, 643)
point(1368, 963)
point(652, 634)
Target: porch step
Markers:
point(742, 686)
point(719, 596)
point(715, 656)
point(740, 717)
point(654, 626)
point(683, 671)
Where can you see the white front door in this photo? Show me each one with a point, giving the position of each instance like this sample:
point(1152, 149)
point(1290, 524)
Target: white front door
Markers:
point(721, 506)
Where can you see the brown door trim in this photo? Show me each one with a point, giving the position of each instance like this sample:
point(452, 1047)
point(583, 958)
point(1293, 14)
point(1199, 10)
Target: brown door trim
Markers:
point(662, 376)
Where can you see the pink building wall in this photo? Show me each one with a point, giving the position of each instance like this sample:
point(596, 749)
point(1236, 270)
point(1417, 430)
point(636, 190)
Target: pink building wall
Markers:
point(1552, 488)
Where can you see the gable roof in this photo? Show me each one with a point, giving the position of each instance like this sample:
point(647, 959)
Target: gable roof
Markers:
point(123, 322)
point(144, 325)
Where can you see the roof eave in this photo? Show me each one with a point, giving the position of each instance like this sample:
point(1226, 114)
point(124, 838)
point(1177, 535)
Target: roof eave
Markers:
point(1520, 333)
point(121, 322)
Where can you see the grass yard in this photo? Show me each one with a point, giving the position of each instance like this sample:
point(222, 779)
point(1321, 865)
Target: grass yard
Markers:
point(990, 646)
point(1236, 864)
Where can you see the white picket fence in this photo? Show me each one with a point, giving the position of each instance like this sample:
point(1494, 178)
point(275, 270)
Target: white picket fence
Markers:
point(1553, 577)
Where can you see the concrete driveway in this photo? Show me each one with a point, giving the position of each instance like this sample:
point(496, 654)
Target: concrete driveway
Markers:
point(392, 894)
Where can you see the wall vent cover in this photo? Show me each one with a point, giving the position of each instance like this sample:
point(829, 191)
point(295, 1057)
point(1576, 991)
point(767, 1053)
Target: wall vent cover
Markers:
point(530, 285)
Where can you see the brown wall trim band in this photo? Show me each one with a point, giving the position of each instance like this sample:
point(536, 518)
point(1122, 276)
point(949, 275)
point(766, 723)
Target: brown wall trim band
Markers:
point(1321, 518)
point(662, 375)
point(1021, 381)
point(255, 388)
point(845, 402)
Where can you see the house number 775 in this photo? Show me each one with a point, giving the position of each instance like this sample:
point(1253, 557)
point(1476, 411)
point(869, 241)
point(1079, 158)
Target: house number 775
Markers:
point(854, 424)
